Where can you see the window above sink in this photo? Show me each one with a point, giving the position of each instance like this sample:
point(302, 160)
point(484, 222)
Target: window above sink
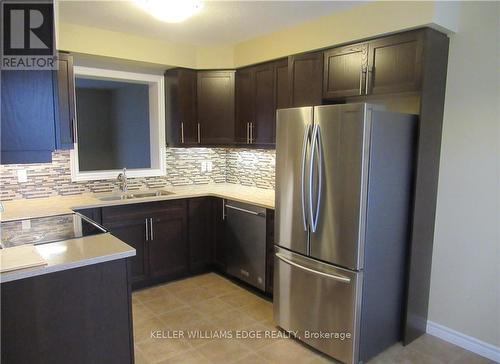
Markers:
point(120, 119)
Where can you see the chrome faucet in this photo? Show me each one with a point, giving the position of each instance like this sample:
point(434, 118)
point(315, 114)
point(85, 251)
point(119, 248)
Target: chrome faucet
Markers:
point(122, 180)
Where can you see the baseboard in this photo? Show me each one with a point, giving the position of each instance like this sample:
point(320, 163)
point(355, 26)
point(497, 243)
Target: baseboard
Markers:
point(479, 347)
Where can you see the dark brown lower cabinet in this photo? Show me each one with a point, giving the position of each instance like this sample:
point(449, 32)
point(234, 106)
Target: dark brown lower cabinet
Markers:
point(158, 232)
point(176, 238)
point(167, 245)
point(219, 233)
point(77, 316)
point(201, 231)
point(269, 251)
point(133, 232)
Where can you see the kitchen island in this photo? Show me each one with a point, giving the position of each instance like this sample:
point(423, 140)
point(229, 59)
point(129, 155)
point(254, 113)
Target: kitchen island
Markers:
point(74, 309)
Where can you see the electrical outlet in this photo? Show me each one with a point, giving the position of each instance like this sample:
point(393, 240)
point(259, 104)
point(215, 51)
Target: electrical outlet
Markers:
point(209, 166)
point(203, 166)
point(22, 176)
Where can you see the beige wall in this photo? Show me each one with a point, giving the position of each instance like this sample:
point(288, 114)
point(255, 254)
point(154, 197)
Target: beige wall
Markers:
point(465, 281)
point(94, 41)
point(359, 22)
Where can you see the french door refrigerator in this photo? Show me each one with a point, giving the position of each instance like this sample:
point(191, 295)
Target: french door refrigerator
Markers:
point(343, 200)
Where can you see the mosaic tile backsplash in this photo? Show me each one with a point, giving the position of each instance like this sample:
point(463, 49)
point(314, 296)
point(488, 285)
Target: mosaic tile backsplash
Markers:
point(239, 166)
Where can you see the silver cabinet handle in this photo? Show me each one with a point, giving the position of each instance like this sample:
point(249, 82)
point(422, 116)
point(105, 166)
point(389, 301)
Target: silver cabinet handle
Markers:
point(147, 232)
point(362, 72)
point(327, 275)
point(244, 210)
point(251, 133)
point(303, 174)
point(199, 134)
point(368, 76)
point(151, 228)
point(223, 209)
point(182, 132)
point(248, 133)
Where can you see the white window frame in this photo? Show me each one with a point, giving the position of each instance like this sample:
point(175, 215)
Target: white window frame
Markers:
point(156, 124)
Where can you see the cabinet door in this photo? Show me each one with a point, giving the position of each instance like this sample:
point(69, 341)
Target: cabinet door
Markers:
point(282, 90)
point(181, 122)
point(27, 114)
point(263, 125)
point(216, 106)
point(167, 245)
point(219, 234)
point(306, 79)
point(65, 105)
point(133, 232)
point(245, 100)
point(201, 230)
point(345, 71)
point(394, 63)
point(269, 251)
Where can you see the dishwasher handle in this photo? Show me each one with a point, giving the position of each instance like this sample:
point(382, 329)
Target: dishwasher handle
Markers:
point(245, 210)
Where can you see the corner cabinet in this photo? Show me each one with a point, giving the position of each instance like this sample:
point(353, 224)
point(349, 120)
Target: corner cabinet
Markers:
point(215, 107)
point(37, 113)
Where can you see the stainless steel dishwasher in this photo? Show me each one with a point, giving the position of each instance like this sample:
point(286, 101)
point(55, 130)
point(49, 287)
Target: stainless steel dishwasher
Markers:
point(245, 242)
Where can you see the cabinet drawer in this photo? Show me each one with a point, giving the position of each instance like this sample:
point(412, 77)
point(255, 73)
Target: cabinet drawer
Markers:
point(141, 210)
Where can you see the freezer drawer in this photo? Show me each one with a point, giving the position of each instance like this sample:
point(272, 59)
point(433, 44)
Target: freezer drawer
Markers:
point(315, 298)
point(245, 242)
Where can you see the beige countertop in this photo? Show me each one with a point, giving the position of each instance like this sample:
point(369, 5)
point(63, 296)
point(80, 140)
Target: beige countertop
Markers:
point(56, 205)
point(73, 253)
point(94, 249)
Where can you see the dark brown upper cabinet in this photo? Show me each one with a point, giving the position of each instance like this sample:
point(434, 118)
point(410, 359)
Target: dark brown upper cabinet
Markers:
point(345, 71)
point(181, 121)
point(260, 90)
point(282, 89)
point(244, 104)
point(263, 127)
point(65, 106)
point(395, 63)
point(215, 101)
point(306, 79)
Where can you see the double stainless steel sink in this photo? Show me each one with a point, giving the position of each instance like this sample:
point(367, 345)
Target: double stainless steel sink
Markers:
point(134, 195)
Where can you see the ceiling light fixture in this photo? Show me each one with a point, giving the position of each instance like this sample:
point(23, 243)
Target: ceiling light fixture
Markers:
point(170, 11)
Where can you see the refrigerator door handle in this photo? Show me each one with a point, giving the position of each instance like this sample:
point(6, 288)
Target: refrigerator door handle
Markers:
point(310, 270)
point(320, 176)
point(303, 175)
point(315, 144)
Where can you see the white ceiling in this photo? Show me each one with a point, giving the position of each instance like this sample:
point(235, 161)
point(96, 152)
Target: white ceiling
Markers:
point(218, 23)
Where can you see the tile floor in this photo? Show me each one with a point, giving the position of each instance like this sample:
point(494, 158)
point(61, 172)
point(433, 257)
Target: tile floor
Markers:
point(212, 304)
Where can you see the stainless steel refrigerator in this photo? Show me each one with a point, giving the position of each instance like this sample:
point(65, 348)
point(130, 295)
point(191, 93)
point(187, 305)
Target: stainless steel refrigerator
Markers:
point(343, 201)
